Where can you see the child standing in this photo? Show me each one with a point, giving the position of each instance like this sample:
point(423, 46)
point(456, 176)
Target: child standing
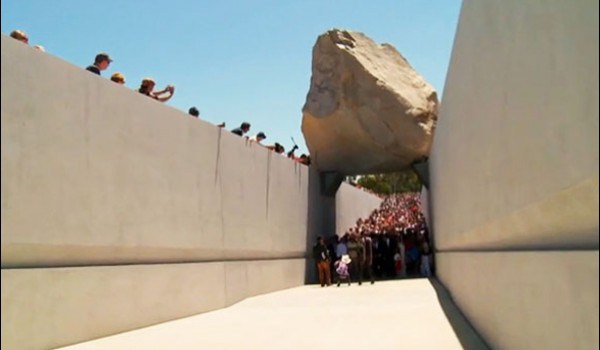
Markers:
point(341, 268)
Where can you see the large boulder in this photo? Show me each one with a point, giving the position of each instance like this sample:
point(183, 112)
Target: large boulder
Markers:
point(368, 110)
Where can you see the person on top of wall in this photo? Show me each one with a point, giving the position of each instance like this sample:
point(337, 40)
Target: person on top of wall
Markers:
point(277, 148)
point(20, 36)
point(304, 159)
point(118, 78)
point(194, 112)
point(244, 128)
point(258, 138)
point(147, 88)
point(101, 62)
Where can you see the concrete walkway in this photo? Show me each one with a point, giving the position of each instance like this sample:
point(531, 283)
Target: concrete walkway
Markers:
point(406, 314)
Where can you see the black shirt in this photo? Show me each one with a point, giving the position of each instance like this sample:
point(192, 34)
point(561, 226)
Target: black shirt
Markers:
point(238, 131)
point(93, 69)
point(320, 252)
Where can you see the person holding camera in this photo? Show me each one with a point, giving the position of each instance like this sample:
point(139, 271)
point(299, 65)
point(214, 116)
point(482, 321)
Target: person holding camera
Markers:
point(147, 88)
point(291, 154)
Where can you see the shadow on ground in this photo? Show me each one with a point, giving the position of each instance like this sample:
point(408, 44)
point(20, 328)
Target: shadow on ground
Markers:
point(466, 334)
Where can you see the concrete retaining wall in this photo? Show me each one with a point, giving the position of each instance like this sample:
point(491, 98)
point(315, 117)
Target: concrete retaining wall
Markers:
point(352, 204)
point(120, 212)
point(49, 307)
point(514, 173)
point(526, 300)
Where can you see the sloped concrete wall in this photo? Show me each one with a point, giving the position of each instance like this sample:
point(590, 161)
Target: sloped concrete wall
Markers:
point(526, 300)
point(119, 212)
point(352, 204)
point(514, 173)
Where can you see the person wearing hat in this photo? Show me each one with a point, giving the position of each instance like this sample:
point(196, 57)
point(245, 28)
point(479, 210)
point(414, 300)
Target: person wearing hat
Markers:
point(147, 88)
point(118, 78)
point(100, 63)
point(341, 269)
point(258, 137)
point(20, 36)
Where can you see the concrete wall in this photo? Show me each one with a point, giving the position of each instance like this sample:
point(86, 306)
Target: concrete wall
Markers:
point(514, 173)
point(120, 212)
point(352, 204)
point(48, 307)
point(526, 300)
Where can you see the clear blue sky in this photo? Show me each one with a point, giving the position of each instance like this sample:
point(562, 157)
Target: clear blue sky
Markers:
point(235, 60)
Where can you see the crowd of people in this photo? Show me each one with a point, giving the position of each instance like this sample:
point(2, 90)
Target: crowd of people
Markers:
point(244, 128)
point(393, 242)
point(147, 87)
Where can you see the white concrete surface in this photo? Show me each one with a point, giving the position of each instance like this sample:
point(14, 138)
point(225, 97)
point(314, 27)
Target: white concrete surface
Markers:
point(352, 204)
point(527, 300)
point(518, 128)
point(387, 315)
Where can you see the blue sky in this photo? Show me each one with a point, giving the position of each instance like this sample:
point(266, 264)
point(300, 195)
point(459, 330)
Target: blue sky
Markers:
point(235, 60)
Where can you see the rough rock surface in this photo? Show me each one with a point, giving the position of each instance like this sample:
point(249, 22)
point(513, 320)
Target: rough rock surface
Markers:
point(368, 110)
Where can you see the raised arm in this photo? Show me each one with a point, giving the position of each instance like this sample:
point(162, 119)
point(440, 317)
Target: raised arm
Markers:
point(170, 89)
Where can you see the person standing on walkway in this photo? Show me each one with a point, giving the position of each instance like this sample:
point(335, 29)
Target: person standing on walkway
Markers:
point(321, 256)
point(341, 249)
point(356, 251)
point(425, 259)
point(368, 248)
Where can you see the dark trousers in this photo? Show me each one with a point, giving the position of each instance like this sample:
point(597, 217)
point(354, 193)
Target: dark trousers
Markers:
point(368, 270)
point(357, 268)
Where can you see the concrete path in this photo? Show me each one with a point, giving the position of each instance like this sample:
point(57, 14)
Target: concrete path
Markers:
point(404, 314)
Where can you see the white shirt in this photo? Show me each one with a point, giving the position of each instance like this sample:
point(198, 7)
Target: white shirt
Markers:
point(254, 139)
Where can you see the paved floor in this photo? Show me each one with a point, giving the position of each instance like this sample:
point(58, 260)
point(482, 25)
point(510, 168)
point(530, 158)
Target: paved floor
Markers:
point(405, 314)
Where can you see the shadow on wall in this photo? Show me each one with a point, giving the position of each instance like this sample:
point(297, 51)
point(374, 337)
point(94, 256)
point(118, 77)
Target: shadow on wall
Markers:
point(466, 334)
point(320, 221)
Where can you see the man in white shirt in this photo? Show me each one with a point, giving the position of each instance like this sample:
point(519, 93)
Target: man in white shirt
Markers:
point(258, 137)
